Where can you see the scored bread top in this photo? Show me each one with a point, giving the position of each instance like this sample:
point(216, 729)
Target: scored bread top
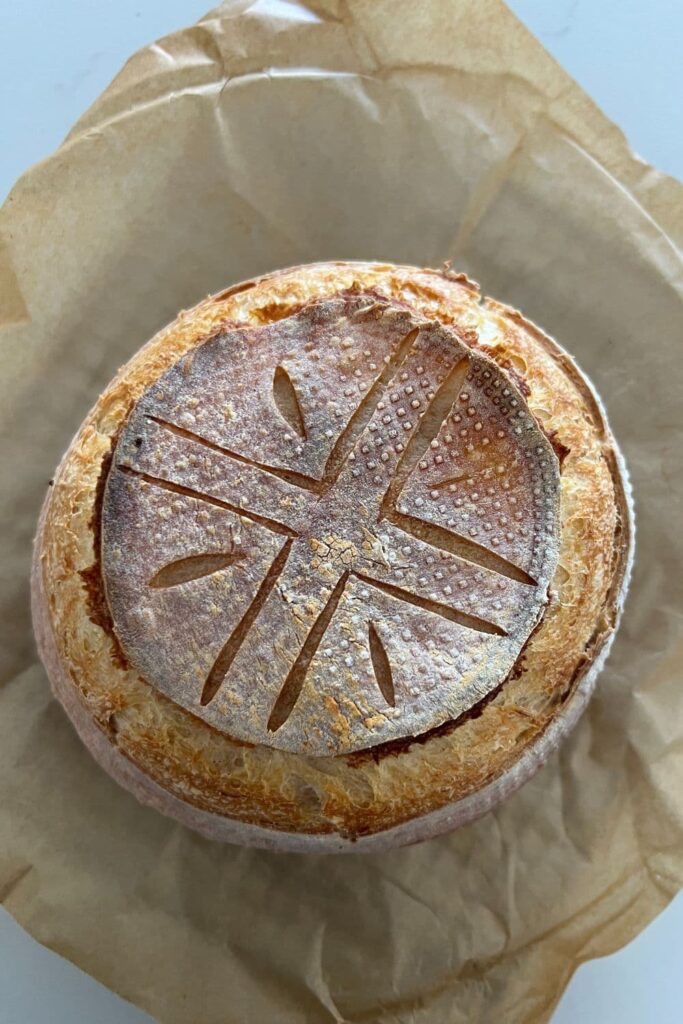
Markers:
point(332, 531)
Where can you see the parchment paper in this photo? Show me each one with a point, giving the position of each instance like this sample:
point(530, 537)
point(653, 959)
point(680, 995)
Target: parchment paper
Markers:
point(274, 134)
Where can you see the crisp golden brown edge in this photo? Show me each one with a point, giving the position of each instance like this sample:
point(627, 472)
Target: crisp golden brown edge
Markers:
point(346, 796)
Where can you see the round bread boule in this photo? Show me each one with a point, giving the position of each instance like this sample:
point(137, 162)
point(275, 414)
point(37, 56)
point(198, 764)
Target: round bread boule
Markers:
point(334, 560)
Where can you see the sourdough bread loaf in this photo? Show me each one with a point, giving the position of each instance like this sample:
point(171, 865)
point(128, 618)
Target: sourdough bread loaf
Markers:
point(334, 560)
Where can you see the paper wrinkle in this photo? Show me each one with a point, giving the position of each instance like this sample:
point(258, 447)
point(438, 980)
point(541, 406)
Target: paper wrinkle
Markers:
point(287, 10)
point(445, 70)
point(223, 132)
point(483, 195)
point(163, 53)
point(511, 168)
point(315, 973)
point(218, 86)
point(480, 968)
point(306, 72)
point(13, 309)
point(659, 236)
point(583, 951)
point(12, 883)
point(413, 897)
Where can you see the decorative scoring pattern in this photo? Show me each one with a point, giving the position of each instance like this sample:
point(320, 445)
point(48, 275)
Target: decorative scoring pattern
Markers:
point(331, 531)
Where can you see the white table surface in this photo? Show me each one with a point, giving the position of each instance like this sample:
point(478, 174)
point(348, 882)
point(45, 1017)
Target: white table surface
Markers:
point(627, 55)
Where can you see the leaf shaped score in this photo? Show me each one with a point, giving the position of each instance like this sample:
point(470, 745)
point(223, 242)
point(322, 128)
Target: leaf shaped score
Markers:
point(287, 401)
point(381, 665)
point(193, 567)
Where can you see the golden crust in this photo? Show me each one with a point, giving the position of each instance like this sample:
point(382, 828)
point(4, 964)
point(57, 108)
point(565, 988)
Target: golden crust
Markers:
point(363, 794)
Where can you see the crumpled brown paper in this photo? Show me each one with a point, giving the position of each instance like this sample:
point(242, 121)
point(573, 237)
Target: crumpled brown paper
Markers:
point(274, 134)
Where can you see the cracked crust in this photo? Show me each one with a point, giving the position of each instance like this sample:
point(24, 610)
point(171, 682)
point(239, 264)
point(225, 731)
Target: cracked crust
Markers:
point(396, 791)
